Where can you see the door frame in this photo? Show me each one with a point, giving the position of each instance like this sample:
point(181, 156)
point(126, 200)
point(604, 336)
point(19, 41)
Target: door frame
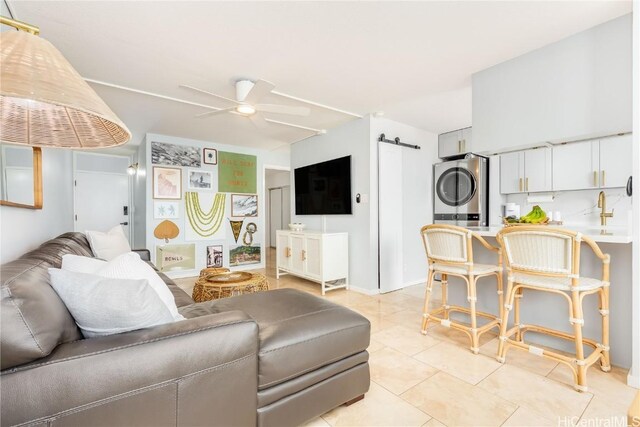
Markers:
point(130, 159)
point(265, 208)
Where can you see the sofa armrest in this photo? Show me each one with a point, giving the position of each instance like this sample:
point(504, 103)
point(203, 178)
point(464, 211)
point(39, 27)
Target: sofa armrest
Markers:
point(188, 371)
point(145, 254)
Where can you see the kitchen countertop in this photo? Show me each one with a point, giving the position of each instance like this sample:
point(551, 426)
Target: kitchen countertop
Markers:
point(599, 234)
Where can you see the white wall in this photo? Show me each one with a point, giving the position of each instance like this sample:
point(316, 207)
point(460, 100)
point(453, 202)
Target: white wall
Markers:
point(359, 139)
point(351, 139)
point(140, 198)
point(25, 229)
point(276, 158)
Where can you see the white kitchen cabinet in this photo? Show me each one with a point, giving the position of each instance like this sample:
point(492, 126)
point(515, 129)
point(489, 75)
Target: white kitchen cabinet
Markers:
point(511, 172)
point(575, 166)
point(603, 163)
point(575, 89)
point(320, 257)
point(615, 161)
point(526, 171)
point(455, 143)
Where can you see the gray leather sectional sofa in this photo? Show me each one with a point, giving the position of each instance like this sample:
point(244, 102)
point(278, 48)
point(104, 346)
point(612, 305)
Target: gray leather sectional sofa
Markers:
point(274, 358)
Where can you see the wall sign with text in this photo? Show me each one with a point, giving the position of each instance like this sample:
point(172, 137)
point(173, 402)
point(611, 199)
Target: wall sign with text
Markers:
point(236, 173)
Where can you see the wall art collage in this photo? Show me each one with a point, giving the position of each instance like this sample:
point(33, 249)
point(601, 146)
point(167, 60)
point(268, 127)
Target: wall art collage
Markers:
point(213, 192)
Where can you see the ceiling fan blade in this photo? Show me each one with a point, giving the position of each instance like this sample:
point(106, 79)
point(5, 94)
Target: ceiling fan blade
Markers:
point(260, 89)
point(208, 93)
point(259, 122)
point(214, 112)
point(283, 109)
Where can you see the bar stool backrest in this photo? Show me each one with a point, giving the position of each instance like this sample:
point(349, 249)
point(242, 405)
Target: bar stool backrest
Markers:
point(541, 250)
point(447, 243)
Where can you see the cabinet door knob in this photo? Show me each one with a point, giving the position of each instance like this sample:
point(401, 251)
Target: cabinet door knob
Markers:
point(595, 178)
point(288, 252)
point(304, 255)
point(603, 184)
point(519, 184)
point(526, 183)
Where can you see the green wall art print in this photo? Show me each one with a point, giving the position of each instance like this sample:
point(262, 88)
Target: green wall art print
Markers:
point(236, 173)
point(243, 255)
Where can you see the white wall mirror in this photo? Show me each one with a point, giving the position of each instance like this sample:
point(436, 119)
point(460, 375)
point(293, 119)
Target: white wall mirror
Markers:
point(21, 175)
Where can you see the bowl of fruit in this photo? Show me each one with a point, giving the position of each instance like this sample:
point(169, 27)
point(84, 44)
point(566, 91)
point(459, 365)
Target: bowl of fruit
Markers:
point(536, 217)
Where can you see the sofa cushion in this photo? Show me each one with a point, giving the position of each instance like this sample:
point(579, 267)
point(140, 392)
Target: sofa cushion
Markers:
point(106, 306)
point(33, 319)
point(110, 244)
point(130, 266)
point(298, 331)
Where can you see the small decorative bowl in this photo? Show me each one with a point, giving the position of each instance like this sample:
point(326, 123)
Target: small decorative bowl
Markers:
point(297, 226)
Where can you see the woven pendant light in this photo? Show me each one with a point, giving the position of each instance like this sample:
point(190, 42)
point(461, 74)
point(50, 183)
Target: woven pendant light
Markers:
point(44, 102)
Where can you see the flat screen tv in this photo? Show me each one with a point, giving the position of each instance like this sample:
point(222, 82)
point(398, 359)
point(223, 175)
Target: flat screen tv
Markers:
point(324, 188)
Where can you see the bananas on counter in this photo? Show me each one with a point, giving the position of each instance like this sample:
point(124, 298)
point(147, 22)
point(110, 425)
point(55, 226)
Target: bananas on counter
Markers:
point(536, 216)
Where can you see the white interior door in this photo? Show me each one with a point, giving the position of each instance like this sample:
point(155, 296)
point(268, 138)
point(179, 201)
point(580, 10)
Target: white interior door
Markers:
point(286, 207)
point(390, 217)
point(275, 214)
point(102, 197)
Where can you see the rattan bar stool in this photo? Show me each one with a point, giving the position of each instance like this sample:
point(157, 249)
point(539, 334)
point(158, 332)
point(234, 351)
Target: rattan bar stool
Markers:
point(548, 259)
point(450, 253)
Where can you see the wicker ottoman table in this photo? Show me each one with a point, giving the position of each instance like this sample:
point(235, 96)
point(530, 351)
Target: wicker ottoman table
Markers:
point(207, 288)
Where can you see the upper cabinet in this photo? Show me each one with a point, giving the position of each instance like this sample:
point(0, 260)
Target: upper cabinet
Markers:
point(575, 89)
point(454, 143)
point(526, 171)
point(603, 163)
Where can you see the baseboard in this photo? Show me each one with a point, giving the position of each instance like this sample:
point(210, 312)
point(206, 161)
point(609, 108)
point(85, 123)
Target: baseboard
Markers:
point(633, 381)
point(363, 290)
point(415, 282)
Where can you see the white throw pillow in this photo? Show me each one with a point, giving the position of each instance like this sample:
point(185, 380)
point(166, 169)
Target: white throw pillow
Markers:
point(110, 244)
point(104, 306)
point(130, 266)
point(81, 264)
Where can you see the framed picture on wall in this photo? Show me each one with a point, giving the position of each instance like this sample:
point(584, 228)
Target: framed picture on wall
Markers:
point(174, 155)
point(243, 255)
point(166, 210)
point(200, 179)
point(167, 183)
point(214, 256)
point(244, 205)
point(176, 257)
point(210, 156)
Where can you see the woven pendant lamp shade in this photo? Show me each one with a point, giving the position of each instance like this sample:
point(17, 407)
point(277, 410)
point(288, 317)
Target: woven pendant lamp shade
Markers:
point(44, 102)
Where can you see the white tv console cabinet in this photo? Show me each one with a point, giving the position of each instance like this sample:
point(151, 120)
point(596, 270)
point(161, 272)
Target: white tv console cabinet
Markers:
point(313, 255)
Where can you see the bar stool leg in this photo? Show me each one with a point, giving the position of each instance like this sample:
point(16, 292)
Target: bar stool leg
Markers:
point(605, 361)
point(500, 296)
point(578, 321)
point(475, 347)
point(444, 282)
point(516, 313)
point(502, 345)
point(425, 310)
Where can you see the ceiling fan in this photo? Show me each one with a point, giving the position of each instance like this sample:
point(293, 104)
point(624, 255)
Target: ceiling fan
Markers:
point(247, 102)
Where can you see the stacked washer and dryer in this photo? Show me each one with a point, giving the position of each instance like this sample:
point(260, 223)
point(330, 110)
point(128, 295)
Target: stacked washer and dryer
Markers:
point(461, 191)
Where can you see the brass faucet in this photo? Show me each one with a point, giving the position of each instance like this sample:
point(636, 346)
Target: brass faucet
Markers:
point(602, 203)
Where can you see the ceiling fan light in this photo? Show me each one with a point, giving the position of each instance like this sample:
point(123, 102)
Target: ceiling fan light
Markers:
point(245, 109)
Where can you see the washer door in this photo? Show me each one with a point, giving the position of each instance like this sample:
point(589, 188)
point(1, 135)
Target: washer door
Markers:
point(456, 186)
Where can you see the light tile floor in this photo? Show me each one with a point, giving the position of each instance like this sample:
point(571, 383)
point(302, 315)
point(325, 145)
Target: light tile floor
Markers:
point(434, 380)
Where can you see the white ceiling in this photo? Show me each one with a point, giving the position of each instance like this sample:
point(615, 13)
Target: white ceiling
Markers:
point(412, 60)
